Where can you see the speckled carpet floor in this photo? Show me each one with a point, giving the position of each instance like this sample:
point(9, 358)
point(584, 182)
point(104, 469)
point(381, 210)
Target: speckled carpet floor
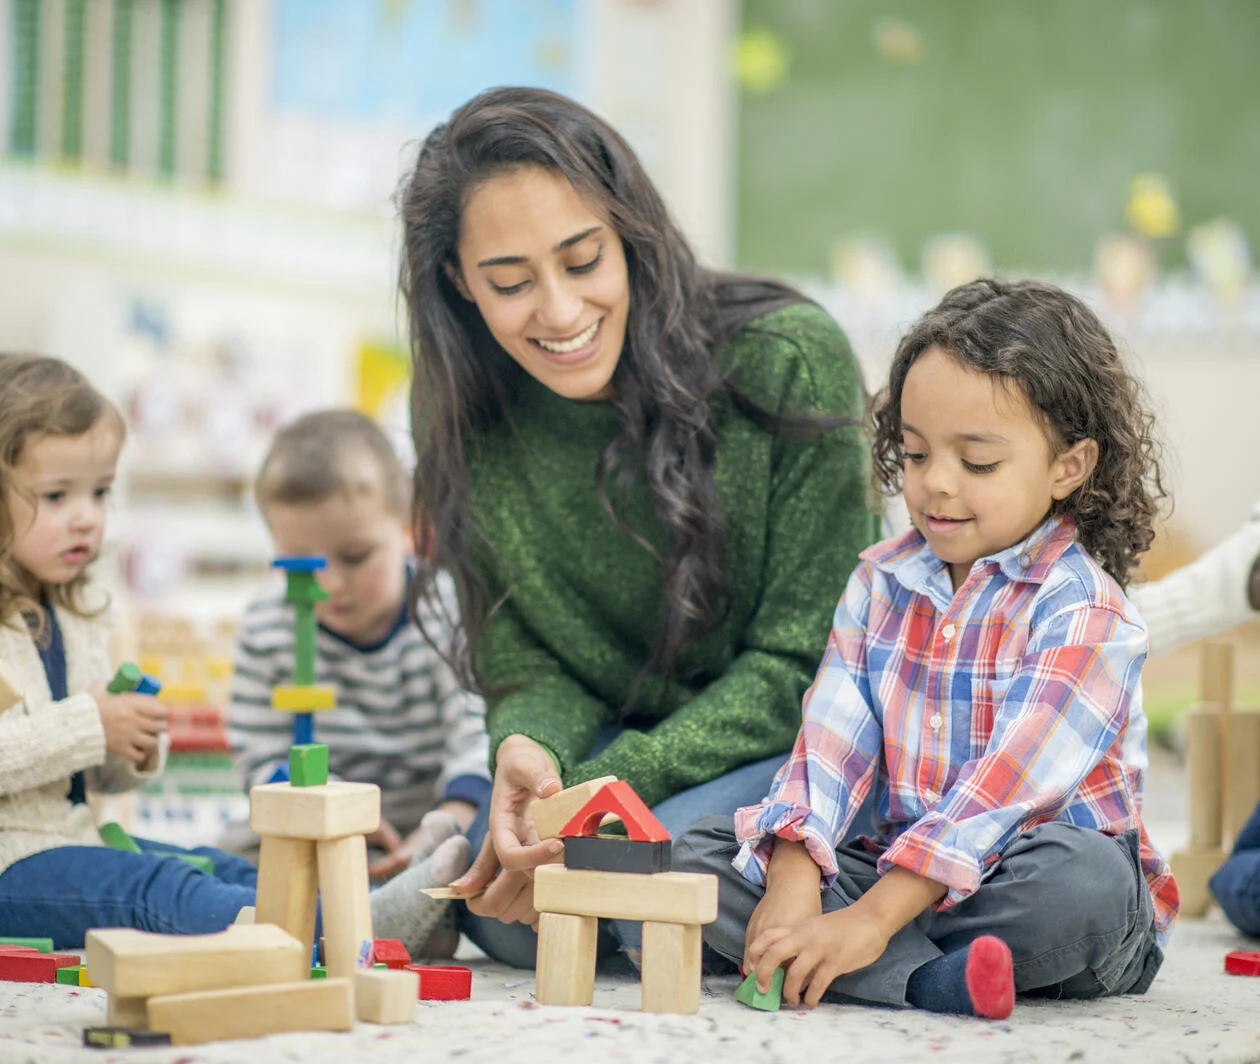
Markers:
point(1194, 1013)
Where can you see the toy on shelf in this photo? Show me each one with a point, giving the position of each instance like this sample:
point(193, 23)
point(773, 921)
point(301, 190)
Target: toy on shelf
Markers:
point(571, 900)
point(1223, 755)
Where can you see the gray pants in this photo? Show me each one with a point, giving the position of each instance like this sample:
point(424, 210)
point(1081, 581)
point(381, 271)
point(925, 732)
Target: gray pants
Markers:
point(1071, 903)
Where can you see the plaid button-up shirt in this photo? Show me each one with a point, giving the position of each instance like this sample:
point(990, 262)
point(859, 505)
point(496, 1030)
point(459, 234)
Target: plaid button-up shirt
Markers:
point(978, 715)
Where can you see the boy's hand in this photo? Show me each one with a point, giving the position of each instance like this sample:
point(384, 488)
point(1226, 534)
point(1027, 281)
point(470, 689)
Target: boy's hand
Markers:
point(132, 722)
point(386, 838)
point(816, 951)
point(792, 895)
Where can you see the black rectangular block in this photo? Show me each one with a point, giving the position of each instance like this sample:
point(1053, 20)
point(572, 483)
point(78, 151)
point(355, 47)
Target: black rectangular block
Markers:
point(123, 1037)
point(615, 853)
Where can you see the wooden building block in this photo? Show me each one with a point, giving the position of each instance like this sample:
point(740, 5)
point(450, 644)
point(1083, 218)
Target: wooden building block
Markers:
point(130, 1012)
point(1203, 771)
point(84, 979)
point(69, 974)
point(254, 1011)
point(333, 811)
point(42, 945)
point(616, 853)
point(308, 765)
point(123, 1037)
point(748, 994)
point(619, 799)
point(31, 966)
point(671, 967)
point(246, 915)
point(139, 964)
point(565, 959)
point(12, 690)
point(1192, 869)
point(382, 995)
point(127, 677)
point(551, 814)
point(391, 952)
point(443, 982)
point(670, 897)
point(1242, 771)
point(1242, 962)
point(288, 883)
point(343, 889)
point(116, 838)
point(303, 697)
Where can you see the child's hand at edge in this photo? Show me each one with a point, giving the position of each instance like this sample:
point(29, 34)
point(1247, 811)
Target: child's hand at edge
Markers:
point(132, 722)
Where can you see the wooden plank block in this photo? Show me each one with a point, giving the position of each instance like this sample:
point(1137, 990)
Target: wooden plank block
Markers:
point(333, 811)
point(254, 1011)
point(343, 889)
point(385, 995)
point(551, 814)
point(1192, 869)
point(615, 853)
point(139, 964)
point(1203, 772)
point(287, 887)
point(671, 967)
point(565, 959)
point(669, 897)
point(130, 1012)
point(446, 894)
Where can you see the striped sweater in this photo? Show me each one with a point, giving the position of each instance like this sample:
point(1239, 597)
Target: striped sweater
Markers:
point(402, 721)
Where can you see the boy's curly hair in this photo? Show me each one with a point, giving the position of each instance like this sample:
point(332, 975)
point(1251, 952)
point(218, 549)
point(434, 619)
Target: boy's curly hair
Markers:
point(1053, 347)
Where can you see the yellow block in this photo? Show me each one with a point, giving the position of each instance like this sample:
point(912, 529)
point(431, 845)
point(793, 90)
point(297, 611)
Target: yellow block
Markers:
point(302, 698)
point(183, 692)
point(83, 977)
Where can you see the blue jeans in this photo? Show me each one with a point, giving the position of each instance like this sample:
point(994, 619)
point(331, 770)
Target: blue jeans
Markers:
point(516, 944)
point(1236, 884)
point(64, 892)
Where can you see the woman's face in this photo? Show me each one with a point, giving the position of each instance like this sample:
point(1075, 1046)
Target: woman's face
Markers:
point(549, 277)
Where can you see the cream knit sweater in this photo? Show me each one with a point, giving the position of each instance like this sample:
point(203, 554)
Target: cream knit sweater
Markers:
point(43, 743)
point(1203, 598)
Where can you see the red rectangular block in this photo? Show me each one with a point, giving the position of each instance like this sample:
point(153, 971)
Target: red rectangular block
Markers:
point(1242, 962)
point(391, 953)
point(34, 967)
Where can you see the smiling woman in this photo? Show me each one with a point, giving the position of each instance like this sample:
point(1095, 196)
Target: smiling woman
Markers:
point(646, 478)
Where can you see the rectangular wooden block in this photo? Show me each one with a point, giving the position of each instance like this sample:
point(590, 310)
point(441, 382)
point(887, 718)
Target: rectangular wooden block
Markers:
point(303, 698)
point(254, 1011)
point(669, 897)
point(288, 883)
point(671, 967)
point(566, 959)
point(615, 853)
point(333, 811)
point(347, 913)
point(382, 995)
point(1192, 869)
point(34, 967)
point(127, 1012)
point(139, 964)
point(551, 814)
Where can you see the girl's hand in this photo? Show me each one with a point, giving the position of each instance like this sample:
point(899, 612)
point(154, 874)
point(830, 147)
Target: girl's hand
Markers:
point(816, 951)
point(525, 771)
point(132, 722)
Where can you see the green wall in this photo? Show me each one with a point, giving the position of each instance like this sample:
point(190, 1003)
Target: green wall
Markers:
point(1023, 122)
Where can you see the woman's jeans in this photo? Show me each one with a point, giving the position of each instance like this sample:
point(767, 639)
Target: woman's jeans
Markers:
point(516, 944)
point(64, 892)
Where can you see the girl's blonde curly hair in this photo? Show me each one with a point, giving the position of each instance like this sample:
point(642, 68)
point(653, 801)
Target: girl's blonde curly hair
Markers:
point(39, 396)
point(1050, 345)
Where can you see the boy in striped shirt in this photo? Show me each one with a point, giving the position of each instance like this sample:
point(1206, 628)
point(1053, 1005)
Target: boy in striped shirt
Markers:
point(982, 679)
point(332, 485)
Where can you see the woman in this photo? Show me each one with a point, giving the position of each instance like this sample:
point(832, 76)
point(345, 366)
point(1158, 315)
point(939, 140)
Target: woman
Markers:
point(646, 478)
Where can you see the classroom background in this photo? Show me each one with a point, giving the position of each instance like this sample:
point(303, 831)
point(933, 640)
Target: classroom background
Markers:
point(196, 209)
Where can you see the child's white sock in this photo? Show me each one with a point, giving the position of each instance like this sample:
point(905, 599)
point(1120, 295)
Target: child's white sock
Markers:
point(400, 911)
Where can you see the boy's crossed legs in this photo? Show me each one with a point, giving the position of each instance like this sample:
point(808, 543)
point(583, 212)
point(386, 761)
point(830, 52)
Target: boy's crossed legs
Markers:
point(1071, 903)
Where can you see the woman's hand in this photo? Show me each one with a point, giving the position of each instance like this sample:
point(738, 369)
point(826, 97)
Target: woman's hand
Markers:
point(525, 771)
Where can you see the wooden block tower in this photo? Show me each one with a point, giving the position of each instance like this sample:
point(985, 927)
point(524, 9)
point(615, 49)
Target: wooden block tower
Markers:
point(1223, 762)
point(620, 878)
point(303, 697)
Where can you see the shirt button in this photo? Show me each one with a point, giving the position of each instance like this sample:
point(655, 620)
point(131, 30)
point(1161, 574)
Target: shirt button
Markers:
point(931, 797)
point(1025, 560)
point(935, 722)
point(948, 631)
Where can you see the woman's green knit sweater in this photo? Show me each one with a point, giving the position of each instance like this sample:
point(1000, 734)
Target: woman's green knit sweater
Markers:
point(582, 599)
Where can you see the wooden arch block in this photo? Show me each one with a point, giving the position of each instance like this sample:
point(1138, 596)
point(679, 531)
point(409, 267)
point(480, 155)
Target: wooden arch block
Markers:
point(620, 799)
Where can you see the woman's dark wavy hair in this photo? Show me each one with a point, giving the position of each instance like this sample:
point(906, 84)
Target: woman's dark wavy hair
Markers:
point(668, 383)
point(1052, 347)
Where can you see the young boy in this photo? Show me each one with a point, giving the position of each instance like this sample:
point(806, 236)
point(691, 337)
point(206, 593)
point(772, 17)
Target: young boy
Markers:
point(332, 485)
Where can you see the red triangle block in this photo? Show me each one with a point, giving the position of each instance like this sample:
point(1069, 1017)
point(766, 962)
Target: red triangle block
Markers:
point(619, 797)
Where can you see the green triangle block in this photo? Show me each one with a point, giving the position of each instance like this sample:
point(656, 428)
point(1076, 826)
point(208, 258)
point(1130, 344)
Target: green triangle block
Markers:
point(748, 994)
point(116, 839)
